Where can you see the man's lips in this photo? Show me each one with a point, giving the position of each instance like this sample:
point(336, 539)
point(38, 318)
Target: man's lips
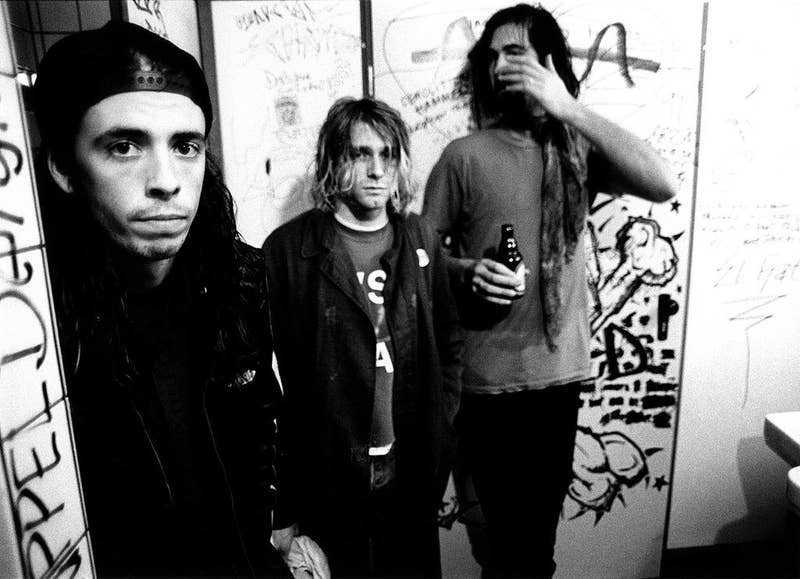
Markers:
point(161, 217)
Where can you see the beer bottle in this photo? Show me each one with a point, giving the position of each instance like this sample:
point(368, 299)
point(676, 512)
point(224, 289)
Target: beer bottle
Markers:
point(508, 254)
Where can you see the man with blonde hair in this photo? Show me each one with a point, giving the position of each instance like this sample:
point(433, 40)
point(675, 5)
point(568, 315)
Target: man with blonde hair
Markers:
point(368, 352)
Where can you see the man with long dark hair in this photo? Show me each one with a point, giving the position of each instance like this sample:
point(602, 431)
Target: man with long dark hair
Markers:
point(368, 353)
point(534, 162)
point(161, 311)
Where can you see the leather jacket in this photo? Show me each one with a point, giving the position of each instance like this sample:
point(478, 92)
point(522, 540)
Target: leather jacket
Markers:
point(135, 515)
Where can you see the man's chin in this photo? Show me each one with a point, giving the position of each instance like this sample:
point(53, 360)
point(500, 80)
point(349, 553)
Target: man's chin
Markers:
point(519, 110)
point(155, 251)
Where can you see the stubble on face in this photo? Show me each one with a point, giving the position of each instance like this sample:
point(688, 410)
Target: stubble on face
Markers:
point(140, 164)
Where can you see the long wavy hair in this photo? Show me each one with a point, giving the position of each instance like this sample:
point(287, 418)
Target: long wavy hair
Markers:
point(546, 37)
point(333, 175)
point(89, 292)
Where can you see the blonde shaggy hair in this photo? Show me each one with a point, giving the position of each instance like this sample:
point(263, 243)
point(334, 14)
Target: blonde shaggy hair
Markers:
point(333, 173)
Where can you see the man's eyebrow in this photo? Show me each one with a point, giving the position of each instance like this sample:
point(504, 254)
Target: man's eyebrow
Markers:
point(369, 149)
point(122, 133)
point(188, 136)
point(140, 135)
point(365, 149)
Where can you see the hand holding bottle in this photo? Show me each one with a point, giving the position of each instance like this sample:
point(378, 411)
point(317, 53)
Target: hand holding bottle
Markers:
point(500, 280)
point(494, 282)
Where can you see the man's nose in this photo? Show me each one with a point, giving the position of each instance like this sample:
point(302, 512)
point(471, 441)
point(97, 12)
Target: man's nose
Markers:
point(163, 180)
point(502, 61)
point(376, 167)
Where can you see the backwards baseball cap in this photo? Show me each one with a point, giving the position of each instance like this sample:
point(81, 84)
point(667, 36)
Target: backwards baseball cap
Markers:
point(82, 69)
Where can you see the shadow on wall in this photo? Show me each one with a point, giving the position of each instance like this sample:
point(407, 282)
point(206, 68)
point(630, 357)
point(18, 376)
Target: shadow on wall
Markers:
point(735, 552)
point(761, 472)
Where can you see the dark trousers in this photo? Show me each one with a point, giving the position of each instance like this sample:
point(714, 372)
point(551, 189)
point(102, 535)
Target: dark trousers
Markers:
point(402, 536)
point(518, 449)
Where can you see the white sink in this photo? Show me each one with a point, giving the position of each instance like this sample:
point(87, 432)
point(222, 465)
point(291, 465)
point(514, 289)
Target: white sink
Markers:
point(782, 435)
point(793, 489)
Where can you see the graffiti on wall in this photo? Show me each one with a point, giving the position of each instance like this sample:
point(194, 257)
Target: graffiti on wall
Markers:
point(280, 66)
point(149, 12)
point(40, 489)
point(605, 464)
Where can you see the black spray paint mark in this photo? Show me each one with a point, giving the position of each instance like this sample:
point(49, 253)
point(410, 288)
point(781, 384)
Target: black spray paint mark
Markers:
point(7, 171)
point(667, 307)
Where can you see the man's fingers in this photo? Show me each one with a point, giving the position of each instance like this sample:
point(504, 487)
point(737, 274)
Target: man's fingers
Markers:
point(496, 273)
point(314, 558)
point(478, 290)
point(498, 301)
point(493, 293)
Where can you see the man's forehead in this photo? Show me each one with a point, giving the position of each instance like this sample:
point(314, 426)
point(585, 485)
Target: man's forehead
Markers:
point(146, 111)
point(510, 34)
point(363, 134)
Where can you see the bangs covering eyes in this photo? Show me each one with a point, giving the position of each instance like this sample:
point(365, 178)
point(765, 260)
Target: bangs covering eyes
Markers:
point(354, 153)
point(336, 156)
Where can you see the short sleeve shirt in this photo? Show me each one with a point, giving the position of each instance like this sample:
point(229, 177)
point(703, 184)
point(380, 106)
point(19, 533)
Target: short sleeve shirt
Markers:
point(482, 181)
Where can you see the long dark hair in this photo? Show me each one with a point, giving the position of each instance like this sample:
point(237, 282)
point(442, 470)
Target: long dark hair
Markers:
point(89, 293)
point(545, 36)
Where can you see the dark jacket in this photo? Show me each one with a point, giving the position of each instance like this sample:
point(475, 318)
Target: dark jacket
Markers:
point(137, 523)
point(325, 345)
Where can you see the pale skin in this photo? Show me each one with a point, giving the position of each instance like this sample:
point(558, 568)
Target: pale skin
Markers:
point(635, 168)
point(140, 163)
point(374, 176)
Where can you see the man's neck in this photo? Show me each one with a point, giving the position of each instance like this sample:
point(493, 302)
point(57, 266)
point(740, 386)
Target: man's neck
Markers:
point(146, 275)
point(364, 220)
point(522, 133)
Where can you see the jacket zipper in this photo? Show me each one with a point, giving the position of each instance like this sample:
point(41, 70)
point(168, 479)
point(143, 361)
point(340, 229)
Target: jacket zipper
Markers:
point(227, 482)
point(155, 453)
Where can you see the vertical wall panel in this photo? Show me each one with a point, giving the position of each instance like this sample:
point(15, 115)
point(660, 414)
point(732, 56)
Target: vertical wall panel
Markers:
point(43, 526)
point(637, 253)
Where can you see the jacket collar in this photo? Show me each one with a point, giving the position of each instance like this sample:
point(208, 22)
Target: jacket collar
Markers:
point(319, 237)
point(319, 233)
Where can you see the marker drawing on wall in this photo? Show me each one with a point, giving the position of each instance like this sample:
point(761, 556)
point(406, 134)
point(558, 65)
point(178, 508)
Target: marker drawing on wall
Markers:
point(604, 464)
point(752, 311)
point(280, 65)
point(149, 12)
point(641, 256)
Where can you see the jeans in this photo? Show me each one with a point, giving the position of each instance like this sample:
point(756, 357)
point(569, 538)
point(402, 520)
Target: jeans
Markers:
point(518, 448)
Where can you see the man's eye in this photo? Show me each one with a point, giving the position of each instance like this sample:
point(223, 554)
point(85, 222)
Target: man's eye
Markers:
point(188, 149)
point(123, 149)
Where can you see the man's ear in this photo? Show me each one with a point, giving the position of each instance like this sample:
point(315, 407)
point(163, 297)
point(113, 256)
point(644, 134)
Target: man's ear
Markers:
point(63, 180)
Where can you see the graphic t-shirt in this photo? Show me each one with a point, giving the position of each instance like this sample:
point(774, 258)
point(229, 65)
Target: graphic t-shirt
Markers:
point(365, 249)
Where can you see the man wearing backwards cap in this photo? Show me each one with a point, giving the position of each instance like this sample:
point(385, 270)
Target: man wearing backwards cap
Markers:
point(160, 309)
